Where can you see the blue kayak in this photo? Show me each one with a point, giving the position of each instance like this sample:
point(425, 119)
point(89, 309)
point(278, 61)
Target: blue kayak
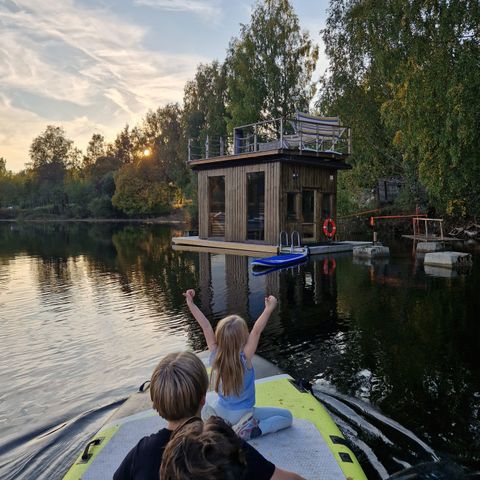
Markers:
point(280, 260)
point(259, 271)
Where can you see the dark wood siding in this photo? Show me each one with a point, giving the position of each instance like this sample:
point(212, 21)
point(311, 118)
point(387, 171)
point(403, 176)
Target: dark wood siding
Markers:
point(295, 178)
point(280, 178)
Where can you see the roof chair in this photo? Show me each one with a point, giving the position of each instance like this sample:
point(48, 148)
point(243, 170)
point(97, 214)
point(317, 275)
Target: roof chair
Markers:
point(319, 134)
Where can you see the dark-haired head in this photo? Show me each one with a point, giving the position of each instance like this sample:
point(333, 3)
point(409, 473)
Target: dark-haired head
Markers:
point(204, 451)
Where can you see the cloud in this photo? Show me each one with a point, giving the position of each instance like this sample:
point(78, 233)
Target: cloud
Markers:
point(207, 9)
point(20, 127)
point(86, 57)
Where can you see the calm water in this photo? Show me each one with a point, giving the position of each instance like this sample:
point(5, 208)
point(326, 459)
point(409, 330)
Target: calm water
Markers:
point(87, 310)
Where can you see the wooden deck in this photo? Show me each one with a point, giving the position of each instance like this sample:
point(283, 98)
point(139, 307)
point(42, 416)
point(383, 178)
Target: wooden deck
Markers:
point(430, 238)
point(195, 244)
point(251, 249)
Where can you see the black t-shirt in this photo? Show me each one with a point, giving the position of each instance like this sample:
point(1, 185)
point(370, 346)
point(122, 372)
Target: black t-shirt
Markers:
point(143, 461)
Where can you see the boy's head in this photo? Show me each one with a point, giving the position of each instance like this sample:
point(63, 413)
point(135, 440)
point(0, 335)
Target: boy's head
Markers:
point(204, 451)
point(178, 386)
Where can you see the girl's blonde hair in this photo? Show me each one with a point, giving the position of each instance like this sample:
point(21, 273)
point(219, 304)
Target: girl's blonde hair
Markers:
point(231, 335)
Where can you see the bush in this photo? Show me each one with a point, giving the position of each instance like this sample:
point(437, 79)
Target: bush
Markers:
point(101, 207)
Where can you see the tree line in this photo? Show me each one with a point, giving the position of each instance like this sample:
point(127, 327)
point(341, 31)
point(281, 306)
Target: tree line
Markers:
point(403, 75)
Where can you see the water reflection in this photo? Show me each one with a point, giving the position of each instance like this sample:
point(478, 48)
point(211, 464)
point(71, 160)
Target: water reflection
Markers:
point(86, 311)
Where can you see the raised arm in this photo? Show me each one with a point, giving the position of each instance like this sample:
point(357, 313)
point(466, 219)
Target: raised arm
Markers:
point(201, 319)
point(254, 337)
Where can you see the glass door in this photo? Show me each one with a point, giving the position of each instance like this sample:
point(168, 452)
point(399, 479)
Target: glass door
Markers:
point(256, 206)
point(216, 202)
point(308, 214)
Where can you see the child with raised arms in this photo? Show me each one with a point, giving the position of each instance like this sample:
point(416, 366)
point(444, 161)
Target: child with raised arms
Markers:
point(232, 348)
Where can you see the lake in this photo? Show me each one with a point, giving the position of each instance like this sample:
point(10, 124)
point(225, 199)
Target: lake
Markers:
point(87, 310)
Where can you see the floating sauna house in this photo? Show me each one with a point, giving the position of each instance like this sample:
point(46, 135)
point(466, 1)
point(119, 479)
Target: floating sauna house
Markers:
point(281, 175)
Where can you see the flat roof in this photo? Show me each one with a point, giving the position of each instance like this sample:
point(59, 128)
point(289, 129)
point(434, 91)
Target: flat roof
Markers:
point(321, 159)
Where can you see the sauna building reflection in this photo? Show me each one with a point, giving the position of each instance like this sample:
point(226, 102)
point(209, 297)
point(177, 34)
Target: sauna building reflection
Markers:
point(307, 312)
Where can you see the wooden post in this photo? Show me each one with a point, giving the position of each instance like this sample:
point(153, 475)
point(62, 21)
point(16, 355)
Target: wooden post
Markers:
point(301, 139)
point(255, 138)
point(426, 229)
point(281, 132)
point(206, 147)
point(441, 229)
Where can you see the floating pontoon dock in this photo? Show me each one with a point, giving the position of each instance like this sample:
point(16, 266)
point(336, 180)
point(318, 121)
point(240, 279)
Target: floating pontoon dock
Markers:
point(255, 249)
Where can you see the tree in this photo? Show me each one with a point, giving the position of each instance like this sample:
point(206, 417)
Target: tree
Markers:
point(95, 149)
point(404, 76)
point(3, 167)
point(125, 146)
point(139, 191)
point(204, 107)
point(50, 154)
point(161, 132)
point(270, 65)
point(50, 147)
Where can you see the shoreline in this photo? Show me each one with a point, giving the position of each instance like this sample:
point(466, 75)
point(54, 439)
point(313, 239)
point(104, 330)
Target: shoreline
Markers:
point(157, 221)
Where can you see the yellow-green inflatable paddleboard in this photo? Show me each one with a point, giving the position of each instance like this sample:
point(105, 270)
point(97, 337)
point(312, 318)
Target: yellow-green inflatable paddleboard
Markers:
point(313, 447)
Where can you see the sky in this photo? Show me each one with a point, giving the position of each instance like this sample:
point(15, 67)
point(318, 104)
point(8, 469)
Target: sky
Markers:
point(93, 66)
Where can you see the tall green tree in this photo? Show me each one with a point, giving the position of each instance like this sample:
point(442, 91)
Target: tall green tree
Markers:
point(50, 148)
point(433, 102)
point(205, 108)
point(124, 147)
point(95, 149)
point(163, 136)
point(404, 76)
point(51, 153)
point(270, 65)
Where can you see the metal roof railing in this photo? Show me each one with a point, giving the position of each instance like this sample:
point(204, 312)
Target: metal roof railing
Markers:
point(302, 132)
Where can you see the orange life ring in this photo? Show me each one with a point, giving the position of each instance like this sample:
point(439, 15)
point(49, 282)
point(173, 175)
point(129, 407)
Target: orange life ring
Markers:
point(329, 232)
point(329, 266)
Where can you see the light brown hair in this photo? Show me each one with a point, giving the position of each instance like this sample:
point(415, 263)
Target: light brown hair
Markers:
point(203, 451)
point(231, 336)
point(178, 385)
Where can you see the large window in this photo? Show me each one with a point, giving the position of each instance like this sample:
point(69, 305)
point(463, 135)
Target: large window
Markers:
point(216, 215)
point(256, 206)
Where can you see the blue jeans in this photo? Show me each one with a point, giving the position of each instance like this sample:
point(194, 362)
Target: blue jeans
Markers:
point(269, 419)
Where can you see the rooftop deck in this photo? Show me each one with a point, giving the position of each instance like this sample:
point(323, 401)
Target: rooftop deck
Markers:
point(311, 138)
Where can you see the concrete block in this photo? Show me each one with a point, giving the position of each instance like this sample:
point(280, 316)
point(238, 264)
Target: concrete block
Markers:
point(448, 259)
point(371, 251)
point(377, 262)
point(426, 247)
point(440, 272)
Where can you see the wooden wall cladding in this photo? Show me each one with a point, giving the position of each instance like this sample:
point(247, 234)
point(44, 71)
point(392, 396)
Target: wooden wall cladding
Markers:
point(236, 200)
